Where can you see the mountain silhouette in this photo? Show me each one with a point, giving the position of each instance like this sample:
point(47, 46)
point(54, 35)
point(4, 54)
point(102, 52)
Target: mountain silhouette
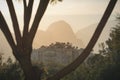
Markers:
point(59, 31)
point(86, 33)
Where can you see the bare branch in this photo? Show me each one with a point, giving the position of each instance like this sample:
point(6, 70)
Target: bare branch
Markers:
point(24, 3)
point(40, 12)
point(89, 47)
point(14, 21)
point(30, 3)
point(27, 16)
point(6, 31)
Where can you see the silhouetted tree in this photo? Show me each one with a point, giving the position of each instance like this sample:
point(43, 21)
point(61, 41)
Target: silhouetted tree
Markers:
point(22, 47)
point(112, 71)
point(105, 65)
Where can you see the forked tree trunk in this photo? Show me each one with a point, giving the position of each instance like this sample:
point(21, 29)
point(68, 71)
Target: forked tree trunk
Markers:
point(31, 72)
point(21, 50)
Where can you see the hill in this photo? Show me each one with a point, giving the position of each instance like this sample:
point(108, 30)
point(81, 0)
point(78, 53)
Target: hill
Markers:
point(86, 33)
point(59, 31)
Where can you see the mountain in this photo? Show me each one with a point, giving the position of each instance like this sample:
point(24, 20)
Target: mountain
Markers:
point(86, 33)
point(59, 31)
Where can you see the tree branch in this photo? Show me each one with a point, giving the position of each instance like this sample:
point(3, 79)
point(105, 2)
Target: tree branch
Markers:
point(27, 16)
point(14, 21)
point(40, 12)
point(6, 32)
point(24, 3)
point(89, 47)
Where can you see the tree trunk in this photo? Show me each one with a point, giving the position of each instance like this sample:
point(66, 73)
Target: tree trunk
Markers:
point(27, 68)
point(30, 72)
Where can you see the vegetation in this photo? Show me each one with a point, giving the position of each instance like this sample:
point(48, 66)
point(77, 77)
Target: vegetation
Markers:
point(106, 64)
point(22, 47)
point(10, 70)
point(102, 66)
point(112, 71)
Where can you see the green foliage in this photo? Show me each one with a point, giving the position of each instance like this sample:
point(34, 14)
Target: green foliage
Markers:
point(114, 43)
point(10, 70)
point(112, 70)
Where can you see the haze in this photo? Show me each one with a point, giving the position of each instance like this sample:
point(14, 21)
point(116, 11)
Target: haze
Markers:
point(85, 12)
point(79, 14)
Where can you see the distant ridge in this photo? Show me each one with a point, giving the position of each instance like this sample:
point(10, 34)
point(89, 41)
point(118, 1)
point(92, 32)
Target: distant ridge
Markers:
point(59, 31)
point(86, 33)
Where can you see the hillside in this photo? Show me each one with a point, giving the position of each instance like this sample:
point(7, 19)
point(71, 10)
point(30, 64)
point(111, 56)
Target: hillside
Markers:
point(58, 53)
point(59, 31)
point(86, 33)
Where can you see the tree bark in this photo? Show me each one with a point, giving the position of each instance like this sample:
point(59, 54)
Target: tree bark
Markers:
point(27, 68)
point(30, 72)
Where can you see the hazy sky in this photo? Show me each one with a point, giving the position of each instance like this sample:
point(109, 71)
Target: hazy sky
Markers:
point(83, 9)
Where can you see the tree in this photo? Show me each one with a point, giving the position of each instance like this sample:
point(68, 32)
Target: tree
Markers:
point(22, 47)
point(10, 70)
point(112, 71)
point(114, 42)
